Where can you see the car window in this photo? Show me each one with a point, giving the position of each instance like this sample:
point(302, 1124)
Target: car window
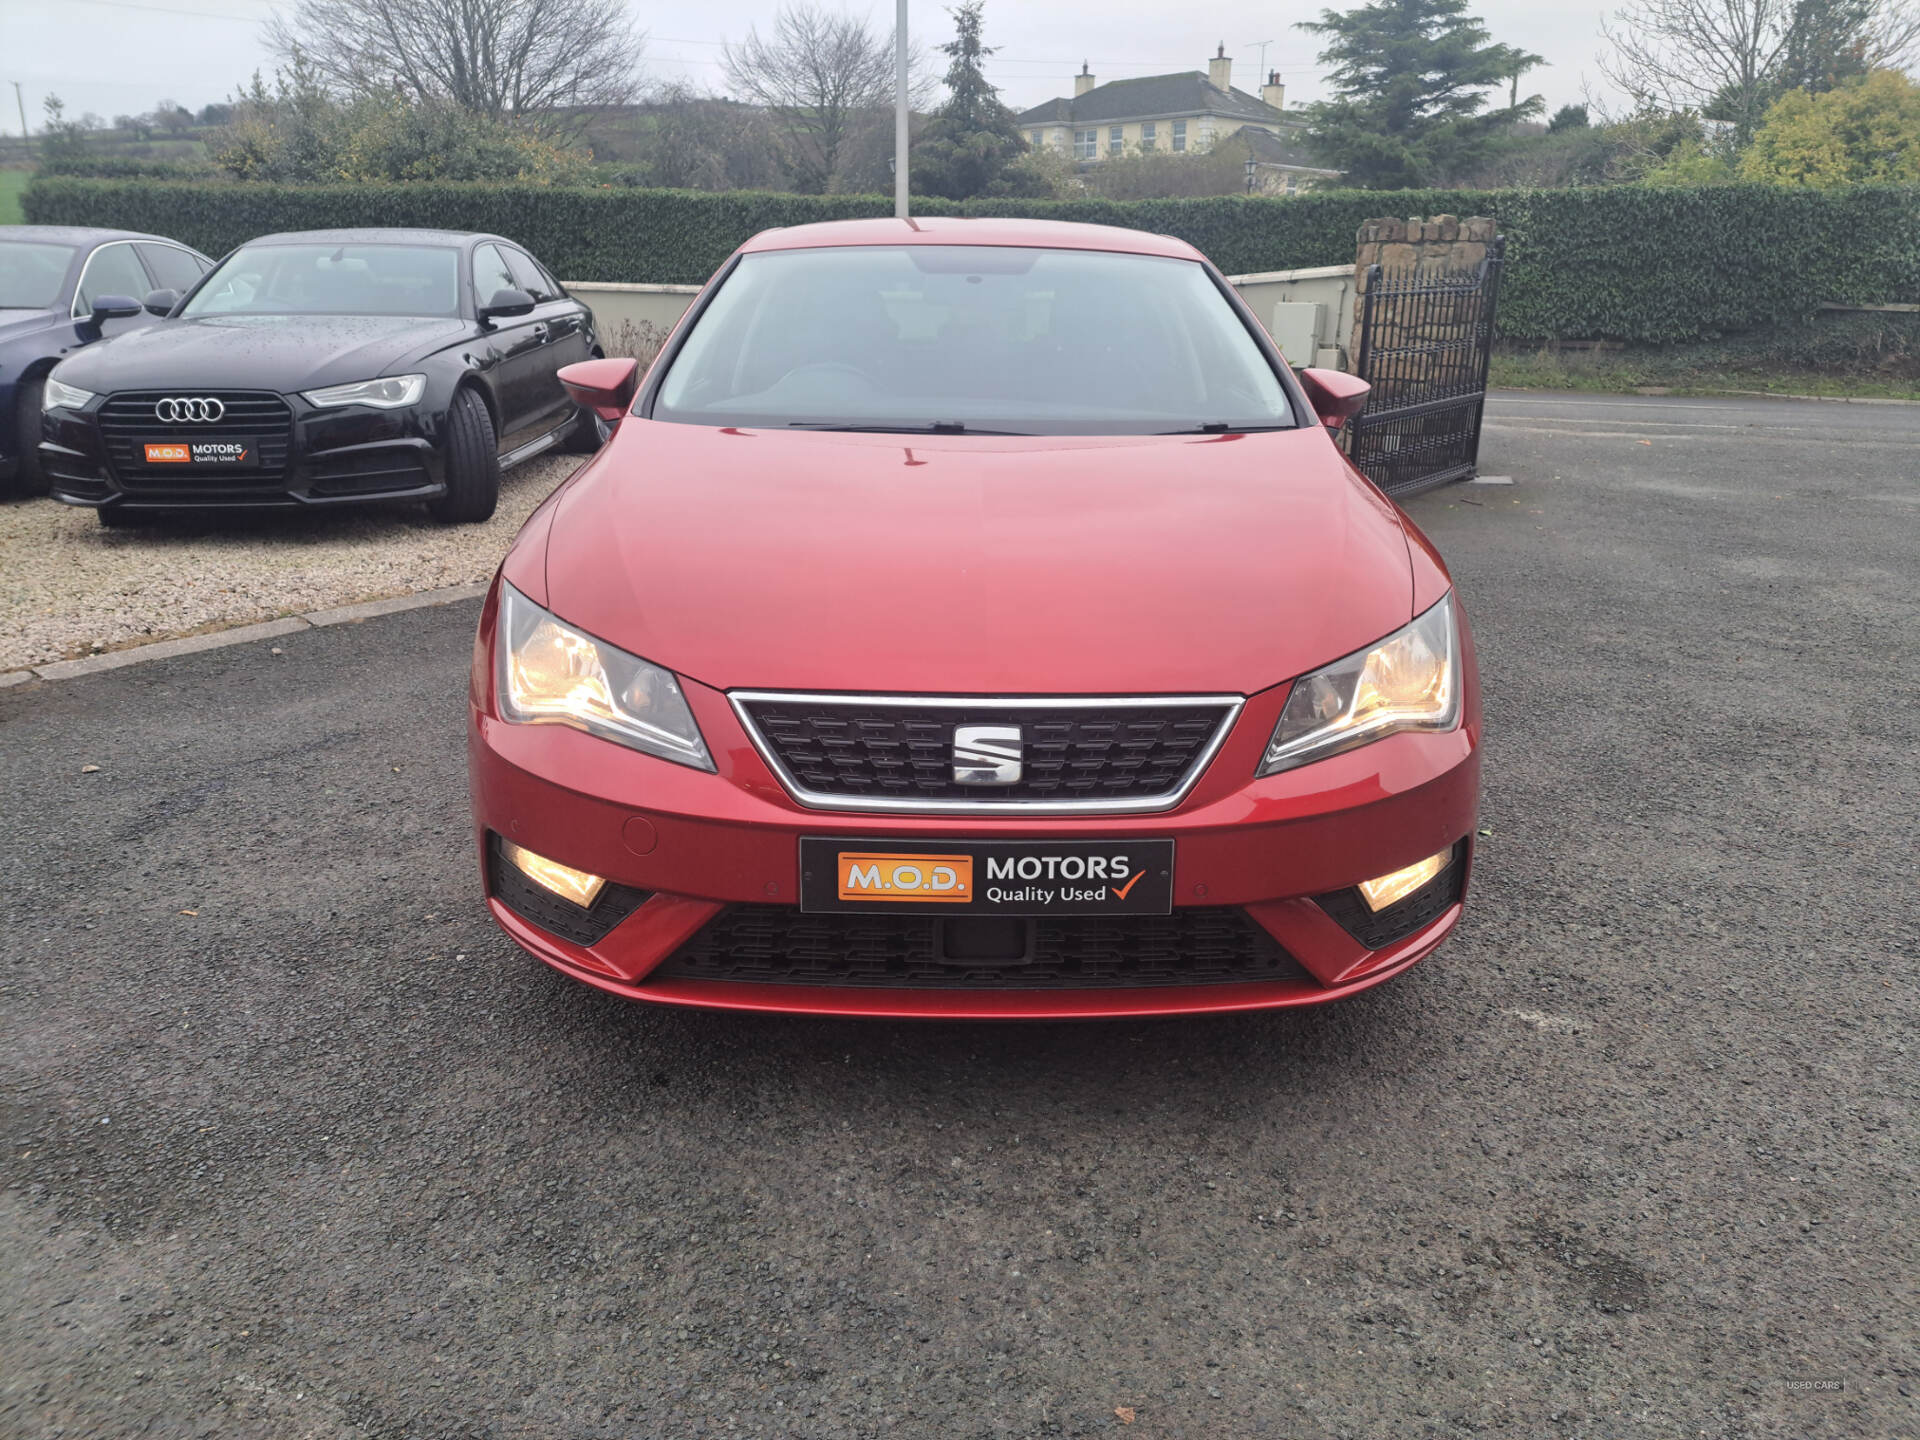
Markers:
point(1031, 340)
point(531, 278)
point(490, 274)
point(112, 270)
point(333, 279)
point(172, 267)
point(31, 274)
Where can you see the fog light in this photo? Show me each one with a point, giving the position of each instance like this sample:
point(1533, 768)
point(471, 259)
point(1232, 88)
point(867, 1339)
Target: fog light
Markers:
point(1387, 889)
point(563, 880)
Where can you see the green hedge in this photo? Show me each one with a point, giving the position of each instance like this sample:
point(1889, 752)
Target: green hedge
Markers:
point(1624, 263)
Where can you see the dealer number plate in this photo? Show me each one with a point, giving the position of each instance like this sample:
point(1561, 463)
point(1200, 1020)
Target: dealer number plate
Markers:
point(987, 877)
point(201, 452)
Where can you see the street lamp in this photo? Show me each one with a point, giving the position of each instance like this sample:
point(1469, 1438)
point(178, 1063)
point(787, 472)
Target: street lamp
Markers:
point(900, 118)
point(1249, 174)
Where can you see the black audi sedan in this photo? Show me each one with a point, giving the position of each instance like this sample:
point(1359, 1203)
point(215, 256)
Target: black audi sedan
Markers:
point(323, 368)
point(63, 287)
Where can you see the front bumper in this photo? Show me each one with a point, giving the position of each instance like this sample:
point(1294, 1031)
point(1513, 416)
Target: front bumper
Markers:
point(335, 456)
point(697, 845)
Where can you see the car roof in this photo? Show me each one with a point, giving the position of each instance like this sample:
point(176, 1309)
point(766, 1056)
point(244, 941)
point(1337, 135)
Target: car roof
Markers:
point(73, 235)
point(956, 230)
point(373, 235)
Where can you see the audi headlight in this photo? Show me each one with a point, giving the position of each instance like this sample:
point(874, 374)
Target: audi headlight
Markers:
point(58, 395)
point(553, 674)
point(388, 394)
point(1408, 681)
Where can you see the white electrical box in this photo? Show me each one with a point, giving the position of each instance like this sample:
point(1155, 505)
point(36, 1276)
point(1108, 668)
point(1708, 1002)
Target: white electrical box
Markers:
point(1296, 330)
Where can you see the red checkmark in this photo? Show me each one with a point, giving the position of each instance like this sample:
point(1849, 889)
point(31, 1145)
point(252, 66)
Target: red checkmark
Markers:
point(1120, 891)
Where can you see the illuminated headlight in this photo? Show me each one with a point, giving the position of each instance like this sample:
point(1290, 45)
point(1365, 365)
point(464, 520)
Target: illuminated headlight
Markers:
point(1391, 889)
point(552, 674)
point(579, 886)
point(1408, 681)
point(388, 394)
point(58, 395)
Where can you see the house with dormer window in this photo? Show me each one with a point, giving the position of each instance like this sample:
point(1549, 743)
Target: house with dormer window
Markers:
point(1186, 112)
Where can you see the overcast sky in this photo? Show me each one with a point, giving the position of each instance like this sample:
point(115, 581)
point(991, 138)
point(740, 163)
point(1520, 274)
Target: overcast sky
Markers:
point(121, 56)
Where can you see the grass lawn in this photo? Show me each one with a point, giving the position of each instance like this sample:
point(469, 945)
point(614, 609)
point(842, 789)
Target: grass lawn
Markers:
point(12, 182)
point(1863, 355)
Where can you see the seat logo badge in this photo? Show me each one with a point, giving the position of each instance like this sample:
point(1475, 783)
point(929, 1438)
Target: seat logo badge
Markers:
point(189, 410)
point(986, 755)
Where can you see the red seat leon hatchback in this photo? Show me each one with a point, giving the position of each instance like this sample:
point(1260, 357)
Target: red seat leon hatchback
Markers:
point(973, 618)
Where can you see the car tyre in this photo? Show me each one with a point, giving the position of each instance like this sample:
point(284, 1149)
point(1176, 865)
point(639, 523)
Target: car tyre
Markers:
point(29, 479)
point(472, 463)
point(583, 436)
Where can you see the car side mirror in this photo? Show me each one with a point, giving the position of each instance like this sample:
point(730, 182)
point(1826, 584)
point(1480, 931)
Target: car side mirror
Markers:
point(505, 304)
point(605, 387)
point(114, 307)
point(1336, 396)
point(161, 302)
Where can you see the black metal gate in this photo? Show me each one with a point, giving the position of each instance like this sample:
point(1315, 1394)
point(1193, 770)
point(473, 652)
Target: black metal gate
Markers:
point(1425, 339)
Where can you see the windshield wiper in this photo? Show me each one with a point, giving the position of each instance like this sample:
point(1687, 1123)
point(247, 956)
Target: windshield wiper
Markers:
point(1222, 427)
point(937, 427)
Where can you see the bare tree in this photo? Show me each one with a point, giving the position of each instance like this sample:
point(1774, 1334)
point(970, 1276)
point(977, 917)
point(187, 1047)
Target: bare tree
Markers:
point(525, 60)
point(825, 78)
point(1725, 58)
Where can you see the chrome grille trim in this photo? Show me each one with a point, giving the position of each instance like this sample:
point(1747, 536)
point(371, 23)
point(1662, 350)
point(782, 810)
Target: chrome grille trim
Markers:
point(1229, 705)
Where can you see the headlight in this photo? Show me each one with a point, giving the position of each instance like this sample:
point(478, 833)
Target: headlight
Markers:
point(552, 674)
point(388, 394)
point(58, 395)
point(1408, 681)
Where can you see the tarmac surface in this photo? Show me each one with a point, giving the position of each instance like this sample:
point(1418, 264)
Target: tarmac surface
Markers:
point(298, 1145)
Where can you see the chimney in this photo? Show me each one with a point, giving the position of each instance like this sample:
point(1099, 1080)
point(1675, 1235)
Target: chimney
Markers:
point(1273, 92)
point(1220, 70)
point(1084, 81)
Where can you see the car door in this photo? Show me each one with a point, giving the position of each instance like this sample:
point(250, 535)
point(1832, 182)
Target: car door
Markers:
point(112, 269)
point(567, 339)
point(518, 343)
point(173, 267)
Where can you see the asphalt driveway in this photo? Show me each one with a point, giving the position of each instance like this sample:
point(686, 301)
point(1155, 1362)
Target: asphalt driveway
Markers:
point(297, 1145)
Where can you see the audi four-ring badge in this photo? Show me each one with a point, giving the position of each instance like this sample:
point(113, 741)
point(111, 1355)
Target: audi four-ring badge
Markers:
point(325, 368)
point(972, 618)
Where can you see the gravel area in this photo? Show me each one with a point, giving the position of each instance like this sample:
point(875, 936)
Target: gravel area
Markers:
point(71, 587)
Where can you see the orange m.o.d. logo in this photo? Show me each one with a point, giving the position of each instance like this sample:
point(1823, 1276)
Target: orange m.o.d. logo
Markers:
point(906, 877)
point(169, 455)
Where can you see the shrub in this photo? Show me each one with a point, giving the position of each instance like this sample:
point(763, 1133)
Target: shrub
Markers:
point(1642, 263)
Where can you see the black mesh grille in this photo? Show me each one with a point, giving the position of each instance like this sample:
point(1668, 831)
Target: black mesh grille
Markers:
point(541, 907)
point(128, 418)
point(1377, 928)
point(777, 945)
point(367, 473)
point(860, 750)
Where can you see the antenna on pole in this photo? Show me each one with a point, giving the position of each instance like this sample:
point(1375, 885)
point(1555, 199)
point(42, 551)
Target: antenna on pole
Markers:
point(900, 115)
point(1262, 44)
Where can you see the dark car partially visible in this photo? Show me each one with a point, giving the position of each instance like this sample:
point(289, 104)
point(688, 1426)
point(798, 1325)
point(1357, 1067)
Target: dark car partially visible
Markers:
point(324, 368)
point(63, 287)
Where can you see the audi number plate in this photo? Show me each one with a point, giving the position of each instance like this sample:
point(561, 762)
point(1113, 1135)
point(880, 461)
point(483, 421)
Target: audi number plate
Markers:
point(225, 451)
point(987, 877)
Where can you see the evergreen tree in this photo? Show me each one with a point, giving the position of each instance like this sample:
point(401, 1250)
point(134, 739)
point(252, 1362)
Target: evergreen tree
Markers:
point(1410, 78)
point(971, 143)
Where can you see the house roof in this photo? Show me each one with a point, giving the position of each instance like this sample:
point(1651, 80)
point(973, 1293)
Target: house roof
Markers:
point(1150, 96)
point(1287, 147)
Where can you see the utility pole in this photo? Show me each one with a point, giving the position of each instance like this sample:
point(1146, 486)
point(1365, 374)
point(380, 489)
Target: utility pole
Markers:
point(25, 149)
point(900, 116)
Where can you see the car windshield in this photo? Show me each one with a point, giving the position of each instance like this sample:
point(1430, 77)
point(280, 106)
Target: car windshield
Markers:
point(332, 280)
point(31, 274)
point(972, 338)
